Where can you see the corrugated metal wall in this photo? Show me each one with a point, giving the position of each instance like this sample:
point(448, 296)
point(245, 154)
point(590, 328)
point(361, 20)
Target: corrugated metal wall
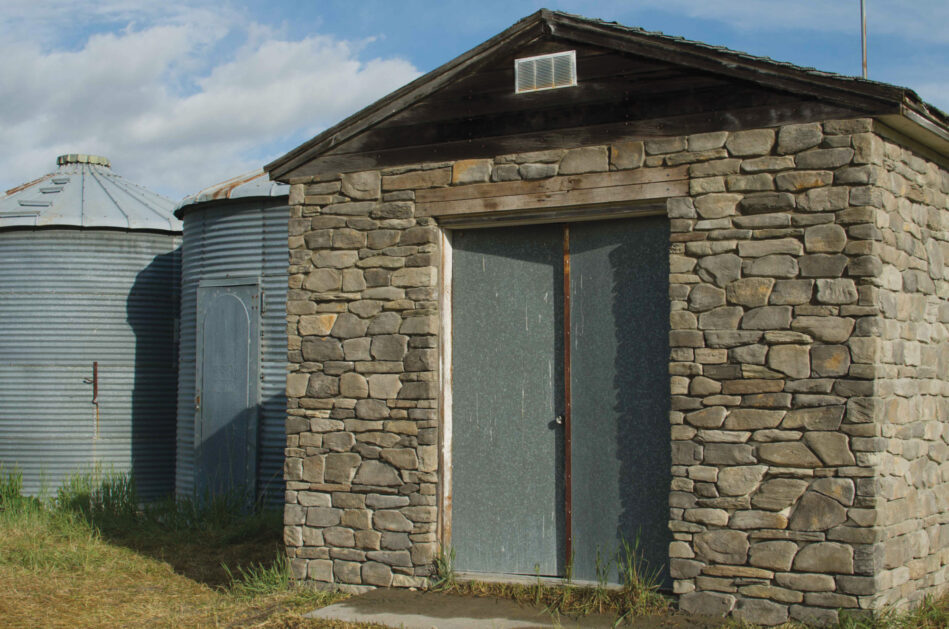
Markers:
point(69, 298)
point(241, 238)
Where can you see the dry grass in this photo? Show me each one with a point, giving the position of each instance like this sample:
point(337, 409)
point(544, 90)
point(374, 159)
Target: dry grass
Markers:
point(70, 562)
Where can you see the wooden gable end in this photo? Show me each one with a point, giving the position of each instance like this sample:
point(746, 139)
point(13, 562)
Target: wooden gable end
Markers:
point(619, 95)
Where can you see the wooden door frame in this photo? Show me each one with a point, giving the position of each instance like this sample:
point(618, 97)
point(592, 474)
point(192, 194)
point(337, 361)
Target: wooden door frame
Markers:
point(565, 215)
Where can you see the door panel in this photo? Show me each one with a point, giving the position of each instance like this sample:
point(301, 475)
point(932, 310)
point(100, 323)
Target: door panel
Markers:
point(507, 513)
point(620, 456)
point(227, 389)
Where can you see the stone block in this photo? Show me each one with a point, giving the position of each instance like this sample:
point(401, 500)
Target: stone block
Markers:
point(391, 521)
point(531, 172)
point(585, 160)
point(825, 239)
point(750, 291)
point(753, 419)
point(767, 318)
point(377, 473)
point(806, 582)
point(840, 489)
point(349, 326)
point(340, 467)
point(824, 158)
point(829, 361)
point(417, 179)
point(757, 520)
point(766, 202)
point(707, 603)
point(749, 182)
point(323, 280)
point(720, 269)
point(312, 471)
point(800, 180)
point(371, 409)
point(728, 454)
point(389, 347)
point(826, 329)
point(362, 185)
point(825, 558)
point(788, 454)
point(471, 171)
point(296, 384)
point(625, 155)
point(376, 573)
point(384, 386)
point(836, 291)
point(759, 248)
point(722, 318)
point(705, 297)
point(316, 325)
point(322, 386)
point(776, 266)
point(722, 546)
point(822, 265)
point(760, 611)
point(339, 537)
point(776, 555)
point(816, 512)
point(791, 292)
point(385, 323)
point(793, 360)
point(818, 418)
point(833, 448)
point(749, 143)
point(795, 138)
point(711, 417)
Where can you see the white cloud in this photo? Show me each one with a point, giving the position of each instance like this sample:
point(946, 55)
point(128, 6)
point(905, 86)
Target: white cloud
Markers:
point(174, 104)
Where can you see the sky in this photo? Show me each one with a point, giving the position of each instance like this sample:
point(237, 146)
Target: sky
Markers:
point(182, 94)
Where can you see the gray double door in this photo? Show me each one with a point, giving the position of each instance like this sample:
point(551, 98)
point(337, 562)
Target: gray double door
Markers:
point(227, 388)
point(560, 430)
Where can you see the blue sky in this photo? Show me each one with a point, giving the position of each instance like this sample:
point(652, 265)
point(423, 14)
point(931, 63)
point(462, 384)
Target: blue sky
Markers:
point(183, 94)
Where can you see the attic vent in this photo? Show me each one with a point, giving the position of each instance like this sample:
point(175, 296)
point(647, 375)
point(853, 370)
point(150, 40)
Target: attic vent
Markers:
point(545, 72)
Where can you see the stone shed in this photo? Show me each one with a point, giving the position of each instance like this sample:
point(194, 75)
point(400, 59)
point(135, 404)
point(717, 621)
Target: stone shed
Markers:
point(587, 288)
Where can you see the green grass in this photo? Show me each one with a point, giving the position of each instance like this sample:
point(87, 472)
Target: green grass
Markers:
point(638, 595)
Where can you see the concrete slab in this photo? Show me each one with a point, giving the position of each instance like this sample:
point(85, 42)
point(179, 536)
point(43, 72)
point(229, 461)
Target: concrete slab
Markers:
point(407, 609)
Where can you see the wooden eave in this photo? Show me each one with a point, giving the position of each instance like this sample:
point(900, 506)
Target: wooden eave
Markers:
point(874, 98)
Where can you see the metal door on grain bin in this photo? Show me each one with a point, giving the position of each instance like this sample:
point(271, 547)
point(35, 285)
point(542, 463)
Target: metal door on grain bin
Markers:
point(227, 389)
point(560, 433)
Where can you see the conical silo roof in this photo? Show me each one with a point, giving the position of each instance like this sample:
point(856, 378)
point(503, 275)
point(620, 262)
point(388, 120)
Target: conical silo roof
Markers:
point(248, 185)
point(84, 192)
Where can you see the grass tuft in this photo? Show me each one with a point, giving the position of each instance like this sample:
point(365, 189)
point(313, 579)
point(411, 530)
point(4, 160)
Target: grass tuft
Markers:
point(638, 595)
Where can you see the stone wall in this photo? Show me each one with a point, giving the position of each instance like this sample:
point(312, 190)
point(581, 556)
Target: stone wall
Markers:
point(806, 316)
point(912, 405)
point(361, 429)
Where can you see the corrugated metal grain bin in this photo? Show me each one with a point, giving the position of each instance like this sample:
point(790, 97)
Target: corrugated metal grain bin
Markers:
point(232, 377)
point(89, 273)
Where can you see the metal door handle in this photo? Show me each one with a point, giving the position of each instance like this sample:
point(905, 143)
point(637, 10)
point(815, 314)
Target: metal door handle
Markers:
point(559, 419)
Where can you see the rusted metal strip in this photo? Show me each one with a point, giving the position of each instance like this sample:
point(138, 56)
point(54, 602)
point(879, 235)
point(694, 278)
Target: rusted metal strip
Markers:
point(567, 472)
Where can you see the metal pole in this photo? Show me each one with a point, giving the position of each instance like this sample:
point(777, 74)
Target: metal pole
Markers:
point(863, 35)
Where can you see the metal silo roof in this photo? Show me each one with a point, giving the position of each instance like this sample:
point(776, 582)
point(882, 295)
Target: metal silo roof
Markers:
point(253, 184)
point(84, 192)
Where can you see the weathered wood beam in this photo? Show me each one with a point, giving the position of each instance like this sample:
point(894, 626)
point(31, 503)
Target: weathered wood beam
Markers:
point(594, 189)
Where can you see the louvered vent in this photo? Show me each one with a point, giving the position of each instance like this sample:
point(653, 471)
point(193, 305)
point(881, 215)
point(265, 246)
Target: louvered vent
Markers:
point(545, 72)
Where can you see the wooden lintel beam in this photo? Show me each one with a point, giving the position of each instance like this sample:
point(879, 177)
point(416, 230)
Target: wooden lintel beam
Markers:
point(531, 200)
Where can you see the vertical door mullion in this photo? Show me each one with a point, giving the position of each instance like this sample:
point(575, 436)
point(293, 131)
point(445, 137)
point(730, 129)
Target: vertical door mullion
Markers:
point(567, 468)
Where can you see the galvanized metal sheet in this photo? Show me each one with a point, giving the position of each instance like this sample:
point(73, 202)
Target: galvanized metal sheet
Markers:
point(86, 194)
point(226, 400)
point(69, 298)
point(507, 513)
point(243, 238)
point(255, 184)
point(620, 393)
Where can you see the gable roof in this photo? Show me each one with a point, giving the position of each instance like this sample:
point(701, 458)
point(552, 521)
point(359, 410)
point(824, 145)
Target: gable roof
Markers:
point(880, 98)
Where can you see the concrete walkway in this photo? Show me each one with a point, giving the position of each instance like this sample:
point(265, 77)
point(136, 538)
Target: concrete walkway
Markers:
point(408, 609)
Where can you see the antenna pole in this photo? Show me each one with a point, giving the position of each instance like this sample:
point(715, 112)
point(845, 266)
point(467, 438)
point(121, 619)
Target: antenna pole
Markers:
point(863, 35)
